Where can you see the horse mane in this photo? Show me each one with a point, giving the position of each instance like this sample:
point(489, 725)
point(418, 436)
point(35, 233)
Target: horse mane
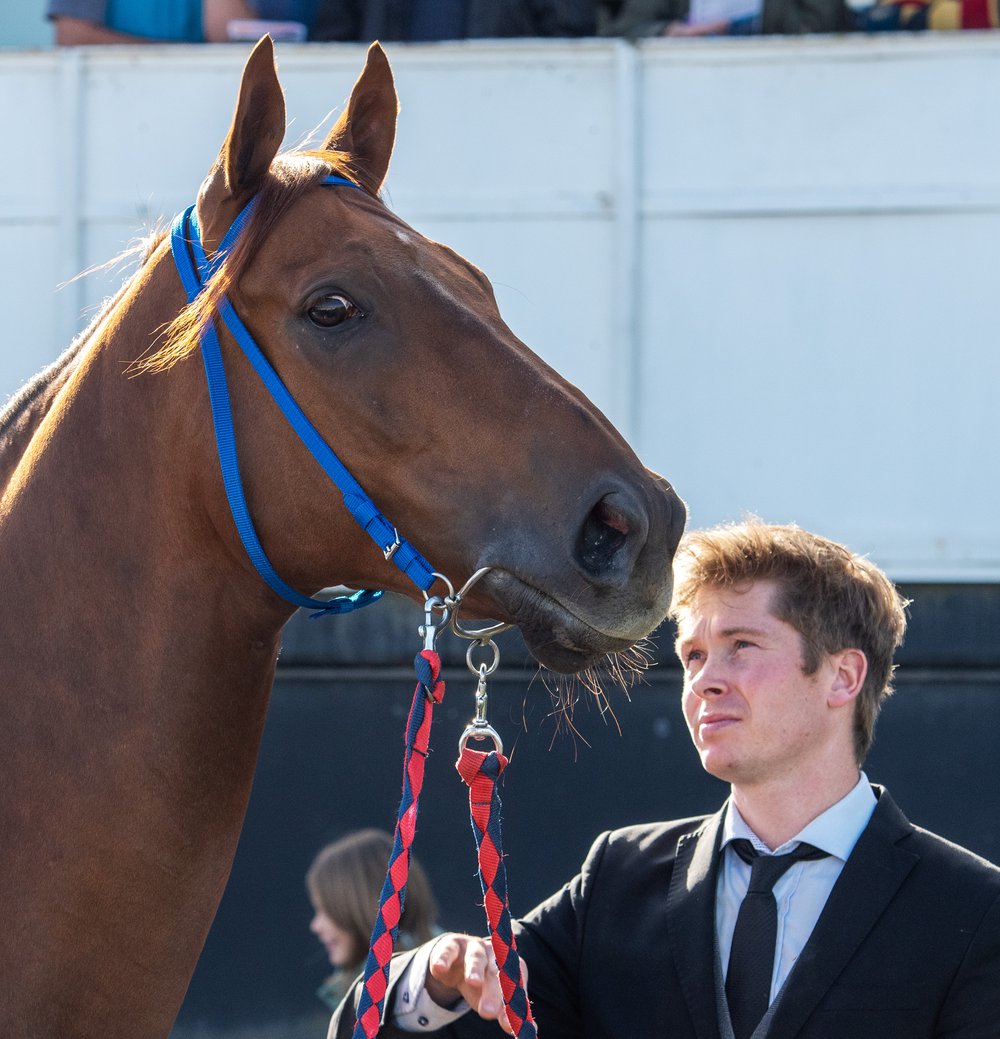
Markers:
point(290, 175)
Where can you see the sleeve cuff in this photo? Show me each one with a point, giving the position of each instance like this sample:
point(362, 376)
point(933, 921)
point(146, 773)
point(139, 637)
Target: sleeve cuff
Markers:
point(413, 1009)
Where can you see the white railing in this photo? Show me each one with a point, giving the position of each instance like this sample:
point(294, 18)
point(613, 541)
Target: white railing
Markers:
point(772, 262)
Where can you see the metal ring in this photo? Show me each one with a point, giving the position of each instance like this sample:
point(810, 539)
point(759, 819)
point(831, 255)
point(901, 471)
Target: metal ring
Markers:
point(478, 670)
point(480, 732)
point(444, 599)
point(480, 634)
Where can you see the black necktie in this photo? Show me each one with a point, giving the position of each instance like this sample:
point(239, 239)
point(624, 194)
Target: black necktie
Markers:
point(751, 960)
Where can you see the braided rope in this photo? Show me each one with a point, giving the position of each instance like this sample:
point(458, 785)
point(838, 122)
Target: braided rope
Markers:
point(481, 770)
point(429, 691)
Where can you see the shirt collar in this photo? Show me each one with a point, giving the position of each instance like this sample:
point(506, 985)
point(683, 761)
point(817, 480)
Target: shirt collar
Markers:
point(834, 831)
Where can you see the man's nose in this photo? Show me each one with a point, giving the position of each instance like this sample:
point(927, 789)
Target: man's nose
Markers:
point(709, 680)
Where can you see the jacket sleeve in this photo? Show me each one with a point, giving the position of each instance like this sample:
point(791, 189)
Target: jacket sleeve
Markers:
point(467, 1027)
point(550, 940)
point(972, 1007)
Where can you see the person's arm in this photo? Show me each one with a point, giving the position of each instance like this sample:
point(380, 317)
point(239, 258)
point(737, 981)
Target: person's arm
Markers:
point(462, 967)
point(409, 1007)
point(217, 14)
point(972, 1008)
point(78, 32)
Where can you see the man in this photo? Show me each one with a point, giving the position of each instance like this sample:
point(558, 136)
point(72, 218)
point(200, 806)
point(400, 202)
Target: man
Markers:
point(869, 929)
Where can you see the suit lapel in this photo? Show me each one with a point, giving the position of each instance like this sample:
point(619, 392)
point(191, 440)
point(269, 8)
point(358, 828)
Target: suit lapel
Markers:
point(691, 922)
point(868, 883)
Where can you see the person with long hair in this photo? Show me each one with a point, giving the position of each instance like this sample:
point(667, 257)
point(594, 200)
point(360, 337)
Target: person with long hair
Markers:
point(344, 883)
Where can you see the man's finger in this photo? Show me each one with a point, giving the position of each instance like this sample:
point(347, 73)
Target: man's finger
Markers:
point(476, 961)
point(491, 1005)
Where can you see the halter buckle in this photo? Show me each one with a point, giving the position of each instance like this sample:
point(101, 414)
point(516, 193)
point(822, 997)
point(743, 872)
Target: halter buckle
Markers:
point(390, 550)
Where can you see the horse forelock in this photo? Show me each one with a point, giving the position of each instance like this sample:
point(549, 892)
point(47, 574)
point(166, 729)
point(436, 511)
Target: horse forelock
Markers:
point(289, 177)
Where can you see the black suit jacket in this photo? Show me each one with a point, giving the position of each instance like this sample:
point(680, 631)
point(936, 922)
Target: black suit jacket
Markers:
point(907, 947)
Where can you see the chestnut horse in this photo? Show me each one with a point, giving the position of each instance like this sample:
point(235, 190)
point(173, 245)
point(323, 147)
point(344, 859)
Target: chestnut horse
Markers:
point(138, 643)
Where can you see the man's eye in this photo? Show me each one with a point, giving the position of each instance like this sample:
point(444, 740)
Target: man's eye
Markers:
point(333, 310)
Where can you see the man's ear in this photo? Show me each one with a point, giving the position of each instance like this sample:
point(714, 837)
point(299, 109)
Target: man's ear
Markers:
point(850, 667)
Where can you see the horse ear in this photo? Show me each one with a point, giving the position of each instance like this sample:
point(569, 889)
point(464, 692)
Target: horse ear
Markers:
point(254, 138)
point(367, 128)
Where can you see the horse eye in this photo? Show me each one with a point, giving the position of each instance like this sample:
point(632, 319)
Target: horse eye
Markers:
point(332, 310)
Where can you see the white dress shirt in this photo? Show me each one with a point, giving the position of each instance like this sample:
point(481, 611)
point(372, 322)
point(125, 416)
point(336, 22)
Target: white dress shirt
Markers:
point(801, 893)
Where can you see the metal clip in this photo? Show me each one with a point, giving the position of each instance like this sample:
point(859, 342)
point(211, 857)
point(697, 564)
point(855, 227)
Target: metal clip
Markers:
point(428, 631)
point(479, 728)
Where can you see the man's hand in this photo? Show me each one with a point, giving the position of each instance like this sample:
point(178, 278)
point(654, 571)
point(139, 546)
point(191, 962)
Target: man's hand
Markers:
point(463, 967)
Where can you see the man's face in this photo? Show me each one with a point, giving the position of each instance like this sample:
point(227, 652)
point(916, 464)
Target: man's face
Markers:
point(753, 713)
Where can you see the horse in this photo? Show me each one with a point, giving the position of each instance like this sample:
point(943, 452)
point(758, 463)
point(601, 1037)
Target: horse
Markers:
point(139, 641)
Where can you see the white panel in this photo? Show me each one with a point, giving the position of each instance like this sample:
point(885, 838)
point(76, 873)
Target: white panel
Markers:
point(786, 123)
point(504, 127)
point(156, 118)
point(836, 373)
point(31, 304)
point(31, 175)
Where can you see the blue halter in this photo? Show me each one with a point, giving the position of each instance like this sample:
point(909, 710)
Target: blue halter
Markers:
point(195, 269)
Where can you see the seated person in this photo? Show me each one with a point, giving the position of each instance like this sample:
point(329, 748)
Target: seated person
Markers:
point(637, 18)
point(91, 22)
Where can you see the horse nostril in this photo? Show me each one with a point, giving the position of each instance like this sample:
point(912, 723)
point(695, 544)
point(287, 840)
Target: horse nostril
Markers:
point(611, 517)
point(604, 531)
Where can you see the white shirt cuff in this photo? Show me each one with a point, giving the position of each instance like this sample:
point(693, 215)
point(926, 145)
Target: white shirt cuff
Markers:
point(413, 1009)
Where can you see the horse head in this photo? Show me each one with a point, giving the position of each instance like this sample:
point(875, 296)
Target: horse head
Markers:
point(394, 347)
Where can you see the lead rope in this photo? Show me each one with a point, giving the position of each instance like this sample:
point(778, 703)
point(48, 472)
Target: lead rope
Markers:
point(480, 770)
point(428, 692)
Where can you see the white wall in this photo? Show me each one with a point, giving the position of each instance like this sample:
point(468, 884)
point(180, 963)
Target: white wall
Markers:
point(773, 262)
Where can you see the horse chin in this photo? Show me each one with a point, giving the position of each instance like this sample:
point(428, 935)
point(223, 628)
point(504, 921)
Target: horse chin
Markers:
point(556, 637)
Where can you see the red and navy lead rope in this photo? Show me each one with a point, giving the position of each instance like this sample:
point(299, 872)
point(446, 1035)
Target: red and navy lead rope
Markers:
point(429, 691)
point(481, 770)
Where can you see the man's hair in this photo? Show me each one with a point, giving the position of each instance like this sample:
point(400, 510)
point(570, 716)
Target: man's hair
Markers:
point(833, 597)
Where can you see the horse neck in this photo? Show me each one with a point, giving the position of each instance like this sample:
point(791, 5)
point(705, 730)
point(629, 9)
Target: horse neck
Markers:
point(130, 462)
point(139, 656)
